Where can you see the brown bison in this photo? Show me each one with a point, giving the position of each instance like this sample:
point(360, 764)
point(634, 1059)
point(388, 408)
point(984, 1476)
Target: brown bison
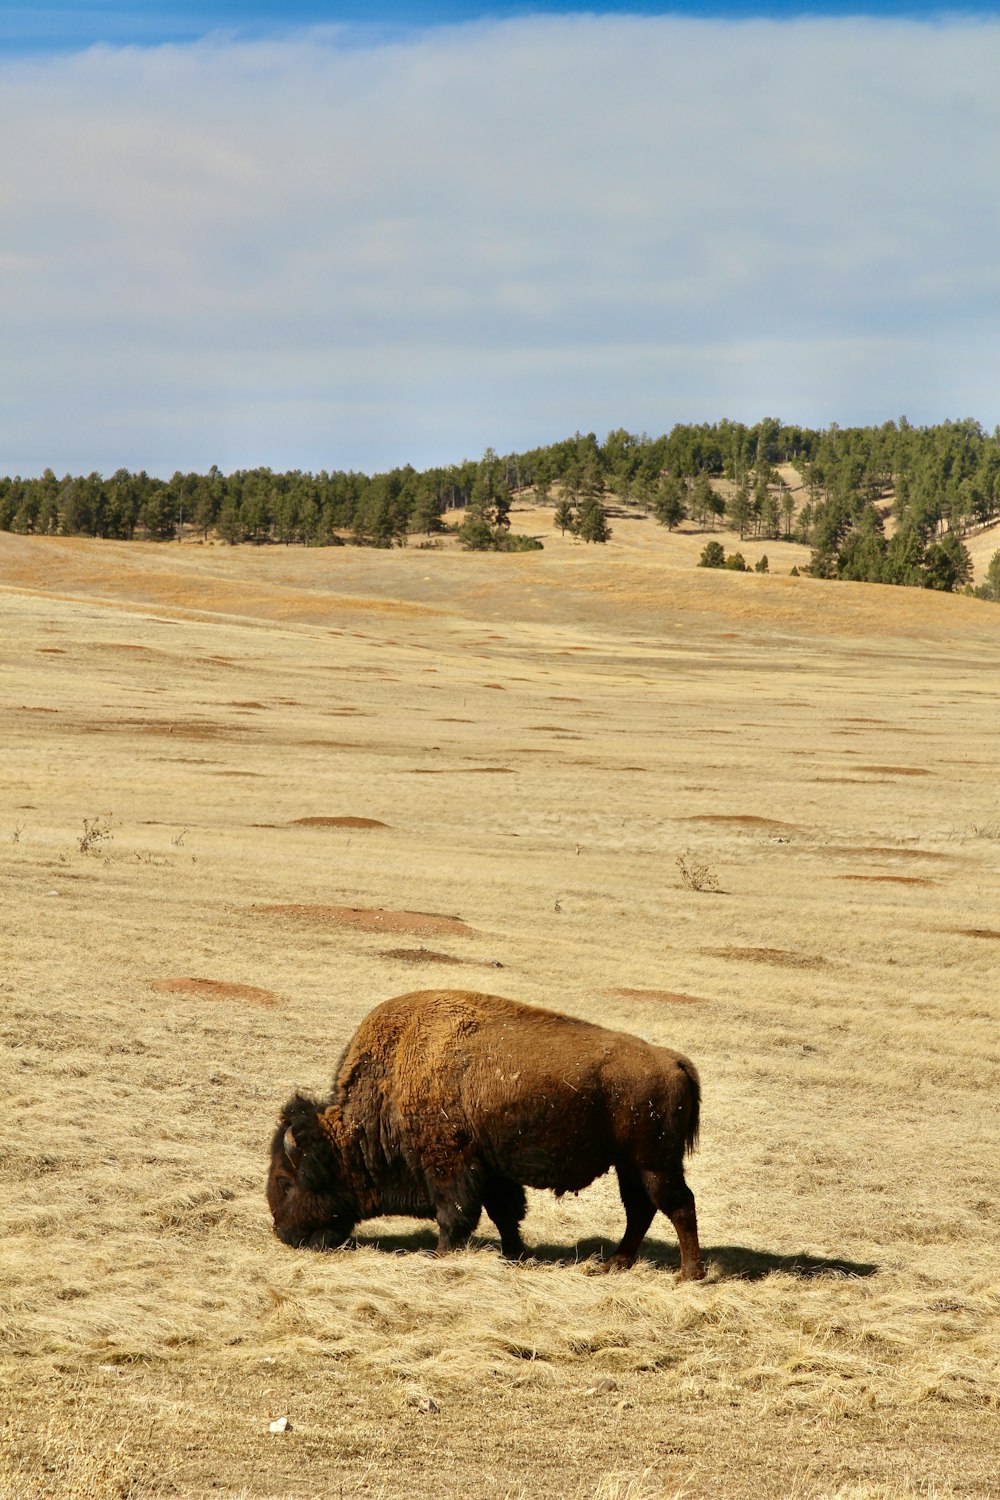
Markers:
point(447, 1102)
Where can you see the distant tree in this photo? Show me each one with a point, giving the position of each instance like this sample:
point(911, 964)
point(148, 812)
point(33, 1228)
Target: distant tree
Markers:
point(565, 517)
point(736, 562)
point(426, 514)
point(787, 510)
point(904, 557)
point(761, 565)
point(706, 504)
point(947, 564)
point(990, 586)
point(713, 555)
point(476, 533)
point(593, 523)
point(739, 509)
point(669, 501)
point(228, 523)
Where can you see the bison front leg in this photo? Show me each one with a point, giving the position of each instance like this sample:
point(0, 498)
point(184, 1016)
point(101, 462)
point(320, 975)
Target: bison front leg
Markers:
point(506, 1205)
point(457, 1207)
point(673, 1197)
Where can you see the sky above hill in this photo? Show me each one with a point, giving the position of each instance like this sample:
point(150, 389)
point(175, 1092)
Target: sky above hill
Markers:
point(336, 235)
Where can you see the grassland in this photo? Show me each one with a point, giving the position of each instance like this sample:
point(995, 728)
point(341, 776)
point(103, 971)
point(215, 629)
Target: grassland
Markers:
point(189, 928)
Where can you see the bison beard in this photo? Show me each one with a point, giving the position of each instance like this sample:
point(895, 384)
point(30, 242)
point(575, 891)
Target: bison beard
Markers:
point(447, 1102)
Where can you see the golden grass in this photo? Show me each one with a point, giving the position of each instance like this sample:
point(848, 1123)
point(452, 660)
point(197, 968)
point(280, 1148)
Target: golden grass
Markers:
point(165, 987)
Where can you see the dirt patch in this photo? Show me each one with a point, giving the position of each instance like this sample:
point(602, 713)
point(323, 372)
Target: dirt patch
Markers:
point(745, 820)
point(245, 703)
point(886, 851)
point(423, 955)
point(215, 989)
point(372, 919)
point(785, 958)
point(460, 770)
point(977, 932)
point(662, 997)
point(896, 770)
point(345, 822)
point(51, 651)
point(891, 879)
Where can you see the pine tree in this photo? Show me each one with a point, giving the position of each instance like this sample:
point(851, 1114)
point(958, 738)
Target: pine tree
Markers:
point(593, 524)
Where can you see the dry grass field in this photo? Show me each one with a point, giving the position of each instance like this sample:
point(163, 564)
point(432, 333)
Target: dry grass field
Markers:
point(246, 794)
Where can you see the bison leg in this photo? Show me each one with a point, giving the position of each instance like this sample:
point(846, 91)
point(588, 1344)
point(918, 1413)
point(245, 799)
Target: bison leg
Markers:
point(457, 1207)
point(505, 1203)
point(639, 1211)
point(673, 1197)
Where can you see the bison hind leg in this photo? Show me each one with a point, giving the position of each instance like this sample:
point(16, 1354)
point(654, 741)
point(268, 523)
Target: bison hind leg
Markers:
point(639, 1211)
point(506, 1205)
point(672, 1196)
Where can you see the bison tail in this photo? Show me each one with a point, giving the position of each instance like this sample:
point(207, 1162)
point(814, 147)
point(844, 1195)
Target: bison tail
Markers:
point(694, 1105)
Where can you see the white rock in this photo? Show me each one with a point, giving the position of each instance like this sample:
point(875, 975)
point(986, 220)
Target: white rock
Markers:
point(280, 1424)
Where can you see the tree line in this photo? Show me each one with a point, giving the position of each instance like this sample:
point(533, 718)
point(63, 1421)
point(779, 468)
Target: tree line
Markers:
point(938, 482)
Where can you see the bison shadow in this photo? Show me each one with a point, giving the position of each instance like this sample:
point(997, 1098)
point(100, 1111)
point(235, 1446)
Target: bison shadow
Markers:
point(729, 1262)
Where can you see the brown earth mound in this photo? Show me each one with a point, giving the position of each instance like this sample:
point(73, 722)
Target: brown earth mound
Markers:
point(462, 770)
point(663, 997)
point(897, 770)
point(747, 820)
point(215, 989)
point(879, 850)
point(891, 879)
point(372, 919)
point(344, 822)
point(784, 957)
point(422, 955)
point(977, 932)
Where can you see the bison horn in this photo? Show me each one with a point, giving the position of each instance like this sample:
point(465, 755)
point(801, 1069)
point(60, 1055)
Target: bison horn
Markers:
point(291, 1145)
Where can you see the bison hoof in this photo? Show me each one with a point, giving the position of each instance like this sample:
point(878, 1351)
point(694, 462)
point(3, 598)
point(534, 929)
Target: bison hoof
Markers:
point(615, 1263)
point(692, 1273)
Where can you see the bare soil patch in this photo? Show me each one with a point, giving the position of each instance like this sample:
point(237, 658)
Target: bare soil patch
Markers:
point(423, 955)
point(977, 932)
point(785, 957)
point(891, 879)
point(897, 770)
point(661, 997)
point(746, 820)
point(463, 770)
point(348, 821)
point(371, 919)
point(215, 989)
point(887, 851)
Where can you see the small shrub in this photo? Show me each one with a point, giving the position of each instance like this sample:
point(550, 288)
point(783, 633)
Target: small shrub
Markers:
point(713, 555)
point(760, 566)
point(96, 833)
point(736, 562)
point(507, 541)
point(696, 873)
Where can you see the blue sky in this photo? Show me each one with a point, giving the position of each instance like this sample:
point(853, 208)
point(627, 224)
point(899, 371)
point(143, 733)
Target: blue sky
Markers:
point(313, 245)
point(66, 24)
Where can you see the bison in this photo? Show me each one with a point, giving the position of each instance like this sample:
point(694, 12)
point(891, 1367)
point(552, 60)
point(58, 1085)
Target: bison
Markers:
point(447, 1102)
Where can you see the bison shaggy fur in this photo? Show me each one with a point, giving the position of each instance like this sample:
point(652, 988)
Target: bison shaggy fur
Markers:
point(447, 1102)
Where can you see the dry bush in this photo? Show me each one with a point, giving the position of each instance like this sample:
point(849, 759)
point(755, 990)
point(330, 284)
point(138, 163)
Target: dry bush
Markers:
point(696, 873)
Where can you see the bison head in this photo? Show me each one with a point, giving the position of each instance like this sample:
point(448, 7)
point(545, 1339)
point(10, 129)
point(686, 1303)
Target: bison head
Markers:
point(310, 1201)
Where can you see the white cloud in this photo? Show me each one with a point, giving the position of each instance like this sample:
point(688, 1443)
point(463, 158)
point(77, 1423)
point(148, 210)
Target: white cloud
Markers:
point(317, 254)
